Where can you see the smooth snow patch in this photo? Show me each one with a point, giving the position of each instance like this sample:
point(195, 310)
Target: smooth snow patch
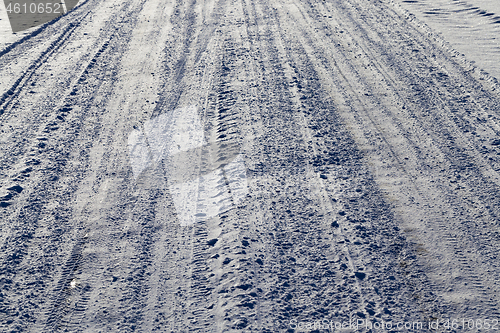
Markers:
point(472, 27)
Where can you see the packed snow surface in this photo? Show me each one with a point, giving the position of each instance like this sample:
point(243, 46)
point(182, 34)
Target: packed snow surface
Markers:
point(250, 166)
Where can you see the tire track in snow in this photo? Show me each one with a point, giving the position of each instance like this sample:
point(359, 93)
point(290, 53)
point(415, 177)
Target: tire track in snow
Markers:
point(444, 227)
point(478, 178)
point(48, 121)
point(13, 93)
point(283, 227)
point(56, 309)
point(318, 239)
point(371, 302)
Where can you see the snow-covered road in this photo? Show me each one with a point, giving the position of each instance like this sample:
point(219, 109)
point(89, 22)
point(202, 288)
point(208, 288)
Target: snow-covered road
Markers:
point(472, 27)
point(245, 166)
